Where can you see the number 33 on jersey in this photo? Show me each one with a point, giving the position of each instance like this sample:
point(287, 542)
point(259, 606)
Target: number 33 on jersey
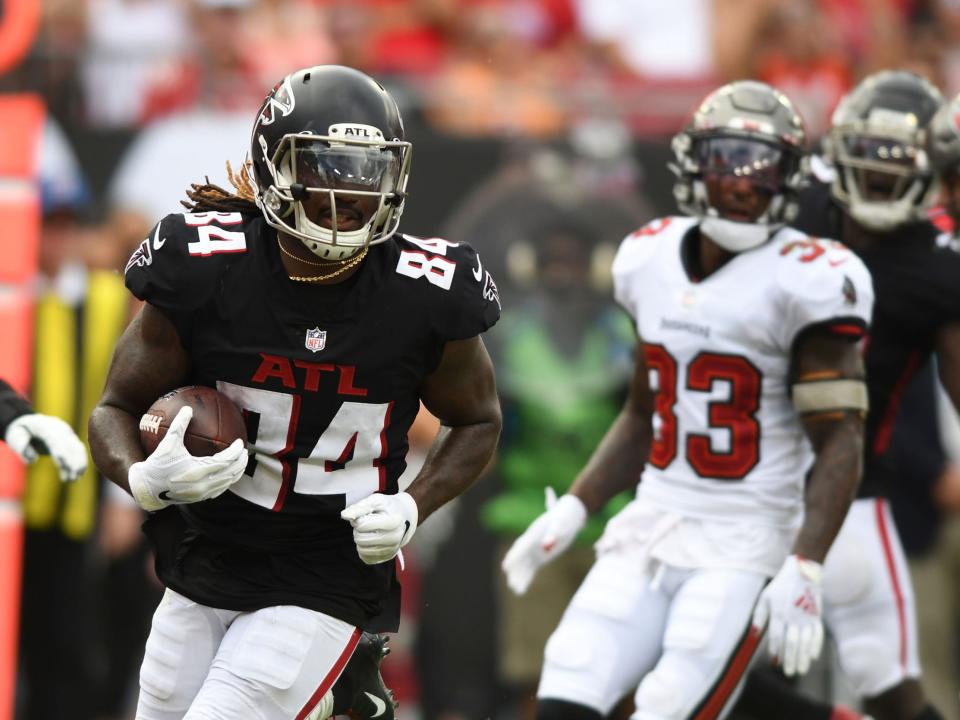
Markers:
point(718, 352)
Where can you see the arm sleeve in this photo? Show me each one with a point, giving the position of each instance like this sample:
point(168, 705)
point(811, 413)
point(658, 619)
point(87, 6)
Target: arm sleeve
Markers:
point(12, 406)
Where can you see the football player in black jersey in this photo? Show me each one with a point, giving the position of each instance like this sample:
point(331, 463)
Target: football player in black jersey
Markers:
point(30, 434)
point(296, 297)
point(876, 201)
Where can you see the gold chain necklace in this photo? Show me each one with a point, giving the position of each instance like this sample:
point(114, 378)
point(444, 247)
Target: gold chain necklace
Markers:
point(305, 262)
point(353, 262)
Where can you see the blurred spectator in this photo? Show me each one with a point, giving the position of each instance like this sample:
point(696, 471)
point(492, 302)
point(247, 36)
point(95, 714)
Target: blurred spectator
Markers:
point(927, 54)
point(872, 32)
point(210, 117)
point(801, 55)
point(282, 34)
point(406, 36)
point(158, 167)
point(63, 37)
point(681, 40)
point(945, 16)
point(128, 42)
point(78, 318)
point(494, 83)
point(219, 73)
point(563, 357)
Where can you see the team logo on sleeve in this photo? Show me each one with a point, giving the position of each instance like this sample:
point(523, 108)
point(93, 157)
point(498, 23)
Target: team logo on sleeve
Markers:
point(490, 293)
point(316, 340)
point(141, 256)
point(849, 291)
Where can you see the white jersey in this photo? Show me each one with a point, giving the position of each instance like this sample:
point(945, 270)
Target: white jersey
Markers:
point(728, 444)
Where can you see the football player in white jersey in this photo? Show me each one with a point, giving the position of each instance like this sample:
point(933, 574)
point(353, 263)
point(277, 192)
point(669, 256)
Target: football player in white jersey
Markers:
point(743, 426)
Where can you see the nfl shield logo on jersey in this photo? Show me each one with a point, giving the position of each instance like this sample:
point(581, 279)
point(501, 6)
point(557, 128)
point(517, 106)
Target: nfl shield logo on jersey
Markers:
point(316, 339)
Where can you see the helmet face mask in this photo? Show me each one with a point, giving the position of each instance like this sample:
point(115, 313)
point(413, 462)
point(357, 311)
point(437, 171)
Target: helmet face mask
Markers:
point(877, 145)
point(740, 164)
point(326, 172)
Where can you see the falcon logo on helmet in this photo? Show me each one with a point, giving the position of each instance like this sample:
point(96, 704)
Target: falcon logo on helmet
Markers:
point(281, 99)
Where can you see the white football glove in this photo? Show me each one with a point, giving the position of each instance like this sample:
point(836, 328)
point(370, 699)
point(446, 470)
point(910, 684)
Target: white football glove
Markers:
point(548, 536)
point(382, 524)
point(792, 604)
point(171, 475)
point(32, 435)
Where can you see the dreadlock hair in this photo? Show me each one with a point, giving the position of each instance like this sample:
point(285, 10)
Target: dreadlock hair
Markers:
point(207, 197)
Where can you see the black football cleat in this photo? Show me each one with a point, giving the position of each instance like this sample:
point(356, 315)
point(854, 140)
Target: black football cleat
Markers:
point(359, 692)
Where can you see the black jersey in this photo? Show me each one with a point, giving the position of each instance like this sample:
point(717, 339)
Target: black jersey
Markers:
point(328, 378)
point(916, 285)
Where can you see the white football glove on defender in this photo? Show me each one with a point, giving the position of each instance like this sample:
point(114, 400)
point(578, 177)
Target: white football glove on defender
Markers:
point(791, 602)
point(171, 475)
point(548, 536)
point(32, 435)
point(382, 524)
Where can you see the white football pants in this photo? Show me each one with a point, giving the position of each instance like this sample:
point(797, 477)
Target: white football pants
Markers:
point(868, 601)
point(278, 663)
point(683, 634)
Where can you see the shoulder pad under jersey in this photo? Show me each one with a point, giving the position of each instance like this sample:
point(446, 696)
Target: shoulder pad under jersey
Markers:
point(178, 265)
point(636, 251)
point(460, 292)
point(820, 282)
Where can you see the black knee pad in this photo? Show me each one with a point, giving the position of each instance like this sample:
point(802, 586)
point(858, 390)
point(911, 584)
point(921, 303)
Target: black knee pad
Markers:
point(562, 710)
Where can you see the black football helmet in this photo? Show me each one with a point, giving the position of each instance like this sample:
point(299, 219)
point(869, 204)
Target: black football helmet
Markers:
point(877, 143)
point(943, 138)
point(743, 129)
point(334, 131)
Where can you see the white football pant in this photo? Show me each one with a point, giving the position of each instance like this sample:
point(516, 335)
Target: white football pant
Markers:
point(278, 663)
point(682, 634)
point(868, 601)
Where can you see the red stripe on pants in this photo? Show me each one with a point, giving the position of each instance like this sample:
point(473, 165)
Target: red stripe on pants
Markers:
point(331, 676)
point(894, 580)
point(732, 676)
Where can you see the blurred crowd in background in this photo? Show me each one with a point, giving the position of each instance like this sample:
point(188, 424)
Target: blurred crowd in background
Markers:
point(540, 132)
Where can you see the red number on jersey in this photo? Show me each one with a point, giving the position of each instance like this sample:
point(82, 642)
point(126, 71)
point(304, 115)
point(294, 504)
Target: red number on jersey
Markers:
point(736, 414)
point(664, 447)
point(811, 248)
point(652, 228)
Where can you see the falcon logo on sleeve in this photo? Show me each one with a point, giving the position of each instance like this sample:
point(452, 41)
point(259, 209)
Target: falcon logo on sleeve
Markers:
point(490, 293)
point(141, 257)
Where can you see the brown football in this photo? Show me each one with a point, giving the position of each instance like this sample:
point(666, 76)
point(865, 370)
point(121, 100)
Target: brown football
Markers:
point(216, 421)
